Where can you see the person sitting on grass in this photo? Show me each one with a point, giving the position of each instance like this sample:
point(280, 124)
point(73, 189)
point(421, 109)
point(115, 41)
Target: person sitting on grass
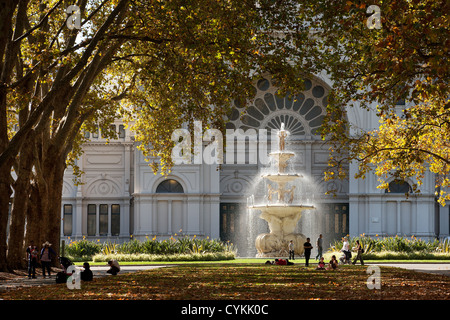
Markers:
point(333, 263)
point(280, 262)
point(283, 262)
point(114, 267)
point(86, 274)
point(321, 265)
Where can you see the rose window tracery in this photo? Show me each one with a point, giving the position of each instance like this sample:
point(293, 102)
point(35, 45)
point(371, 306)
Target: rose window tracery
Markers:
point(302, 114)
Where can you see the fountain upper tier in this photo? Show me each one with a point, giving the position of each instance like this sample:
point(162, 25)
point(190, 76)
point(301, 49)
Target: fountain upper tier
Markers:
point(281, 158)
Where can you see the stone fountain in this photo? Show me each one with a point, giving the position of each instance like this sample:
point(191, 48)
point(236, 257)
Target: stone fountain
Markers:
point(280, 211)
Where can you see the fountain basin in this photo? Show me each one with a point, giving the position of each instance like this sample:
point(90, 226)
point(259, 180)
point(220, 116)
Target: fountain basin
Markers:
point(282, 219)
point(281, 210)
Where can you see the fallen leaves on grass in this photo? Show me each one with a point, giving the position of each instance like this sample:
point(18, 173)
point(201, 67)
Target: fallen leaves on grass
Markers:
point(256, 282)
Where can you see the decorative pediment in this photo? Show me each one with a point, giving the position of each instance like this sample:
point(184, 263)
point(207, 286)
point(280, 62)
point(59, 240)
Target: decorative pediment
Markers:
point(103, 187)
point(234, 184)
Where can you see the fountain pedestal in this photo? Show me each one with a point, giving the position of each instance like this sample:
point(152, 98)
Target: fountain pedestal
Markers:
point(280, 213)
point(272, 245)
point(282, 220)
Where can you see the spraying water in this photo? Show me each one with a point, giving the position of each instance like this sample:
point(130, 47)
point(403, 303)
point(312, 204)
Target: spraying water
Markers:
point(279, 206)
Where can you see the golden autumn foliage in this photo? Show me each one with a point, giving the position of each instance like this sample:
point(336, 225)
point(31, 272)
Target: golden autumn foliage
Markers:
point(159, 63)
point(407, 59)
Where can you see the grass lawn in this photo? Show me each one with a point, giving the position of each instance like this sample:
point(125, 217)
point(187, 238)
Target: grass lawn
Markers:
point(251, 260)
point(245, 281)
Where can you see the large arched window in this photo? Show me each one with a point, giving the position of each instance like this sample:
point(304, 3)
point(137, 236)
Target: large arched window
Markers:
point(399, 186)
point(169, 186)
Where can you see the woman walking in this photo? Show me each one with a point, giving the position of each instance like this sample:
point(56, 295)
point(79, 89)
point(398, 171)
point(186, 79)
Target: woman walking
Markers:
point(360, 251)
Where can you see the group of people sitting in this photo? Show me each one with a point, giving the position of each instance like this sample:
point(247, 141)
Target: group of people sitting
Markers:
point(280, 262)
point(332, 265)
point(86, 274)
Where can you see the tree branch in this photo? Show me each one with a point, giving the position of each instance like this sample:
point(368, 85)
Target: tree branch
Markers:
point(40, 23)
point(447, 161)
point(139, 38)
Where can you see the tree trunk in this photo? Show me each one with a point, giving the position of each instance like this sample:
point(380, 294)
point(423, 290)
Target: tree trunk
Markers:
point(18, 211)
point(5, 194)
point(57, 166)
point(35, 216)
point(7, 9)
point(44, 214)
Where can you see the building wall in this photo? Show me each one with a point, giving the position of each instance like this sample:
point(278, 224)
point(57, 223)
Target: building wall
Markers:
point(106, 185)
point(193, 212)
point(116, 174)
point(375, 212)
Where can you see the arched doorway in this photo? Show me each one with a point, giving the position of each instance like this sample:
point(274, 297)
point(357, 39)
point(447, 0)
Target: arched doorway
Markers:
point(170, 203)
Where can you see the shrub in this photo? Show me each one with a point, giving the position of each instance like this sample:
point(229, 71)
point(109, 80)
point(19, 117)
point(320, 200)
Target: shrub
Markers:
point(181, 246)
point(173, 246)
point(393, 244)
point(444, 246)
point(132, 246)
point(211, 256)
point(391, 255)
point(82, 248)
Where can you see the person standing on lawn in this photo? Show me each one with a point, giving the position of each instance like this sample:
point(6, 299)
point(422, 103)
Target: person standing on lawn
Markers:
point(346, 250)
point(32, 257)
point(307, 246)
point(46, 257)
point(319, 247)
point(291, 250)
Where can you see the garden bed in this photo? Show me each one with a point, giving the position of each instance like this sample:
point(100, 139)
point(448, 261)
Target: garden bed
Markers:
point(208, 256)
point(394, 248)
point(179, 249)
point(391, 255)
